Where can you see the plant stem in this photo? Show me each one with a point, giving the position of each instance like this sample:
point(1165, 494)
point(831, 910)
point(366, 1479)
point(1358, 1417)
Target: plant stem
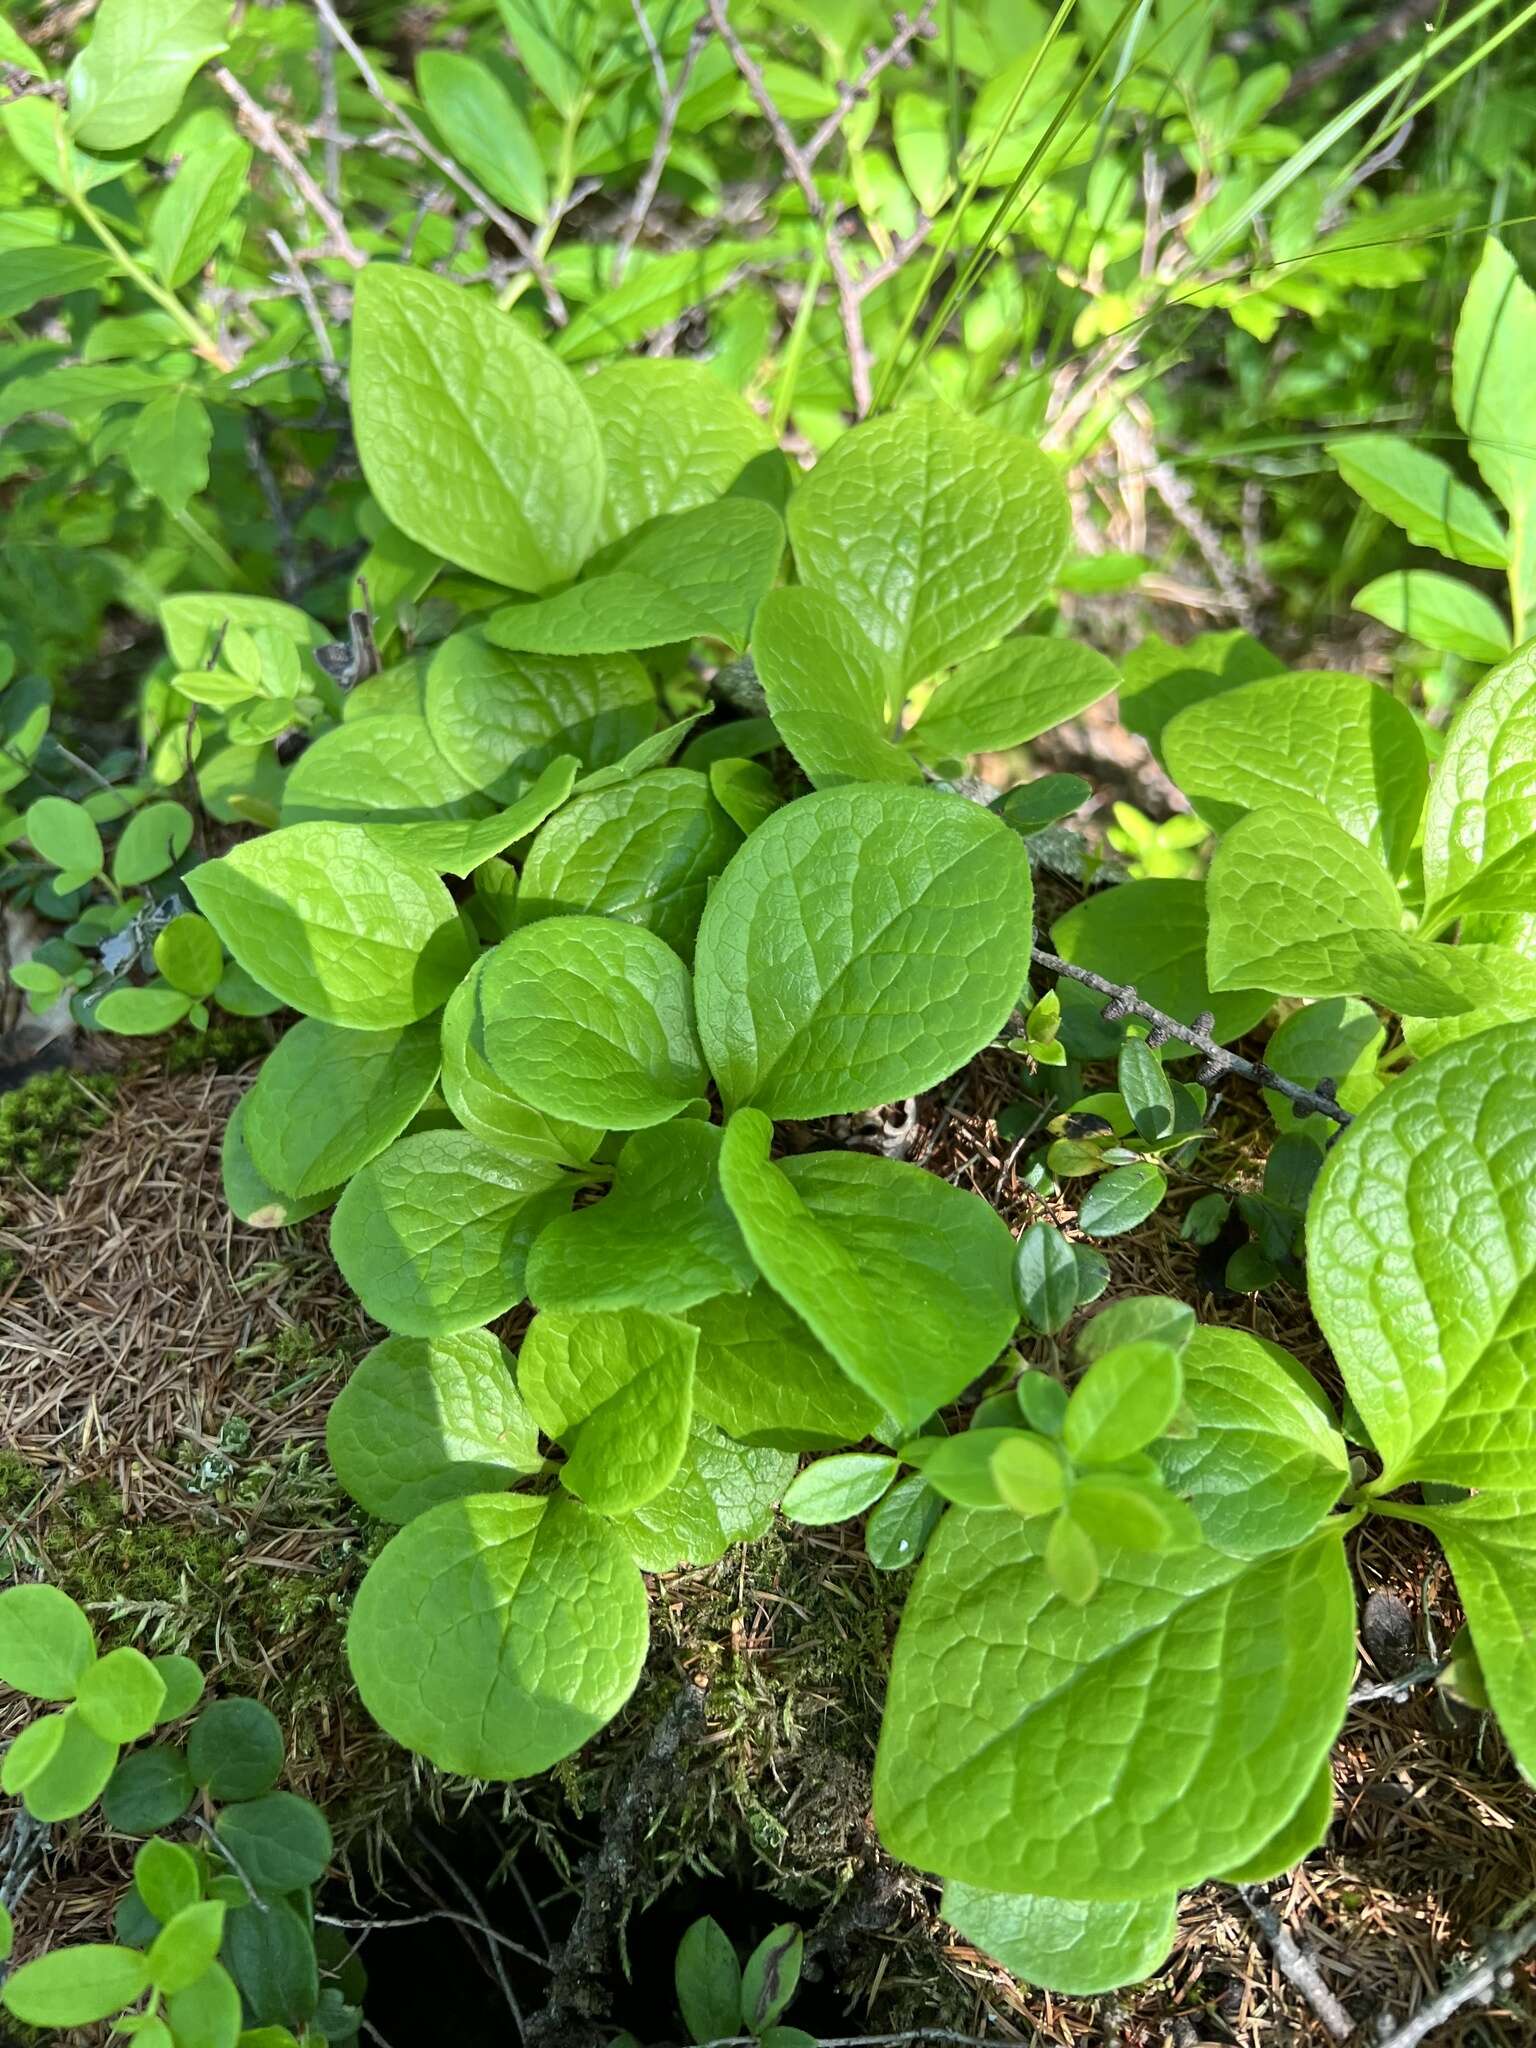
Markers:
point(1127, 1003)
point(201, 340)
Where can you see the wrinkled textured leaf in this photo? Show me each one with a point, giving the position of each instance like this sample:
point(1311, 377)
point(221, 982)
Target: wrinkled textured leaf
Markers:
point(723, 1493)
point(1010, 695)
point(1422, 495)
point(764, 1379)
point(1440, 610)
point(828, 690)
point(1074, 1946)
point(617, 1391)
point(1153, 934)
point(129, 79)
point(673, 437)
point(1480, 828)
point(327, 1101)
point(860, 947)
point(1179, 1664)
point(494, 1635)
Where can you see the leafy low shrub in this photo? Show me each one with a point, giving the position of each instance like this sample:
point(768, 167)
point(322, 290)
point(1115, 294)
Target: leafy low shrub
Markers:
point(1156, 1555)
point(213, 1943)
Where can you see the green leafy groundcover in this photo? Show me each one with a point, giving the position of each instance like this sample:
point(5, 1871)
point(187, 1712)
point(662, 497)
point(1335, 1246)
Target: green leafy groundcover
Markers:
point(559, 1080)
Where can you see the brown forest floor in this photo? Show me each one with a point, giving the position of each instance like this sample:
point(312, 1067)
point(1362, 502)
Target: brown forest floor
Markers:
point(164, 1377)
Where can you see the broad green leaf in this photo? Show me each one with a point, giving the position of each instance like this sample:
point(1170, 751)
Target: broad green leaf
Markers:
point(383, 771)
point(81, 392)
point(65, 835)
point(327, 1100)
point(662, 1238)
point(121, 1694)
point(1304, 1831)
point(645, 851)
point(654, 752)
point(186, 1945)
point(1127, 1397)
point(141, 1012)
point(495, 1635)
point(75, 1775)
point(907, 1281)
point(708, 1979)
point(474, 440)
point(1145, 1089)
point(835, 1489)
point(49, 272)
point(72, 1987)
point(616, 1390)
point(673, 437)
point(1045, 1275)
point(1421, 1239)
point(45, 1642)
point(861, 946)
point(702, 572)
point(432, 1235)
point(183, 1684)
point(190, 217)
point(1264, 1464)
point(897, 1531)
point(723, 1493)
point(1158, 679)
point(937, 532)
point(281, 1842)
point(592, 1019)
point(1340, 740)
point(657, 290)
point(235, 1749)
point(129, 79)
point(1491, 394)
point(827, 689)
point(1442, 611)
point(336, 927)
point(189, 955)
point(1422, 495)
point(1153, 935)
point(484, 129)
point(745, 791)
point(1077, 1947)
point(1338, 1039)
point(500, 719)
point(1490, 1542)
point(425, 1421)
point(1027, 1471)
point(150, 1789)
point(488, 1110)
point(1010, 695)
point(1503, 992)
point(1289, 895)
point(764, 1379)
point(166, 1877)
point(30, 1752)
point(770, 1977)
point(983, 1772)
point(457, 848)
point(1135, 1319)
point(1480, 828)
point(249, 1193)
point(1122, 1199)
point(271, 1956)
point(960, 1467)
point(197, 622)
point(167, 448)
point(207, 2014)
point(37, 130)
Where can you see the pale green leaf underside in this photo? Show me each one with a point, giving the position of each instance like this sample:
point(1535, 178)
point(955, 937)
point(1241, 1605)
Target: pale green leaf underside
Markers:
point(1422, 495)
point(1302, 1832)
point(662, 1237)
point(907, 1281)
point(1422, 1264)
point(384, 771)
point(494, 1635)
point(861, 946)
point(1439, 610)
point(1074, 1946)
point(1213, 1687)
point(433, 1234)
point(421, 1422)
point(1010, 695)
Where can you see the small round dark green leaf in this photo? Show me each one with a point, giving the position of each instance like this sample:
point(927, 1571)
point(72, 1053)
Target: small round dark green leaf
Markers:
point(235, 1749)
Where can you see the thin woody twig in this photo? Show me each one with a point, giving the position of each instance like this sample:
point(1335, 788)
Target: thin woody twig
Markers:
point(1296, 1965)
point(908, 31)
point(1125, 1002)
point(512, 228)
point(1399, 1688)
point(1475, 1987)
point(264, 132)
point(374, 1925)
point(672, 97)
